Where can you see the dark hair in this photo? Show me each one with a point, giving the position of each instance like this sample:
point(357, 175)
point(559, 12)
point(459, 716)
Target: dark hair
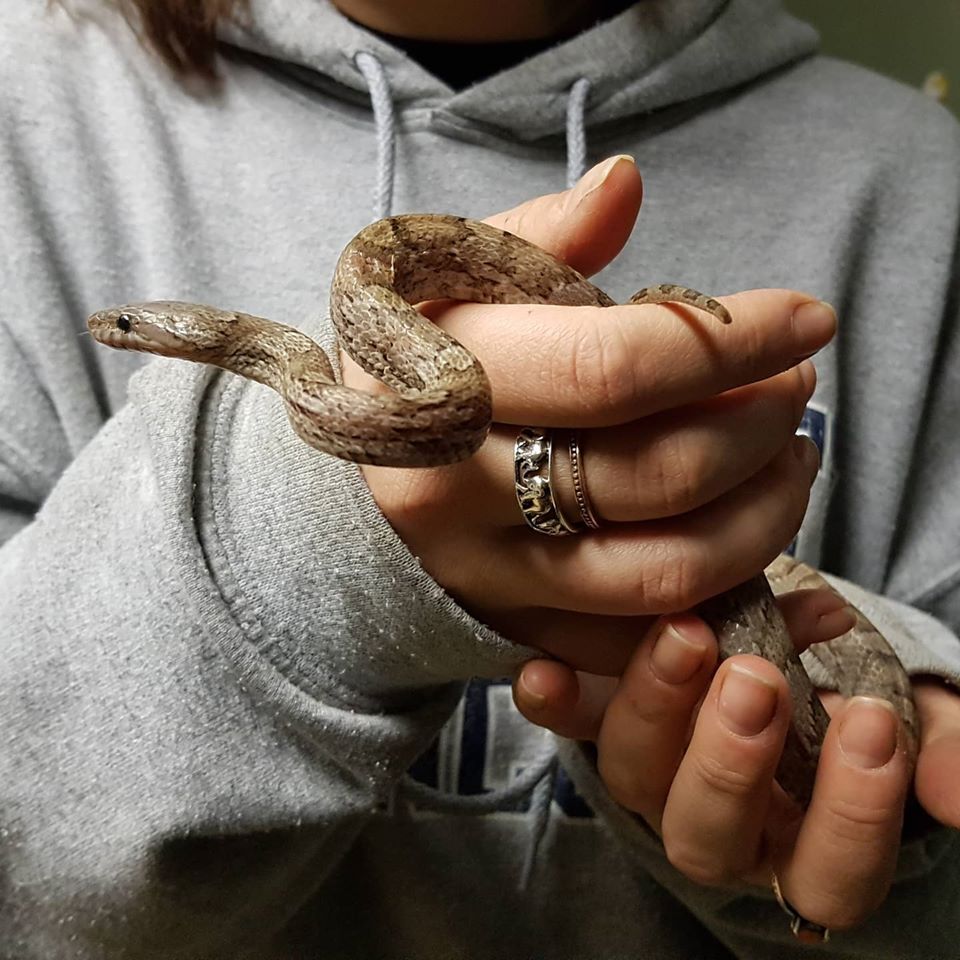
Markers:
point(182, 32)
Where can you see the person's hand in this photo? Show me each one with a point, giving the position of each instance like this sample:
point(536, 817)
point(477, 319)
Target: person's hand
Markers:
point(687, 435)
point(694, 754)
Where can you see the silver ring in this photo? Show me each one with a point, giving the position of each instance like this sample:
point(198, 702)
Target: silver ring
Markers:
point(580, 483)
point(806, 931)
point(532, 462)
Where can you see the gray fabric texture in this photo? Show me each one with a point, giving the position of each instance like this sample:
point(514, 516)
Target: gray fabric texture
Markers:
point(218, 661)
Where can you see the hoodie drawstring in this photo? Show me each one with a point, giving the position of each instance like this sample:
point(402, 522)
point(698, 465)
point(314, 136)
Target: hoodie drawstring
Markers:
point(383, 118)
point(577, 130)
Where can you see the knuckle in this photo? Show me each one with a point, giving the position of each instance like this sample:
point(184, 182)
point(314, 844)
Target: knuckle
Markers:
point(598, 365)
point(679, 470)
point(855, 823)
point(719, 778)
point(752, 349)
point(672, 579)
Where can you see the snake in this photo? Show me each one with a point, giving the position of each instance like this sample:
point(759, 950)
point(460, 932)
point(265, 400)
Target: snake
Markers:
point(439, 410)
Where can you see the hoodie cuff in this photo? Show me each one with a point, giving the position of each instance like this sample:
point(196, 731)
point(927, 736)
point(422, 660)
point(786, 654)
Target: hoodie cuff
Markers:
point(313, 572)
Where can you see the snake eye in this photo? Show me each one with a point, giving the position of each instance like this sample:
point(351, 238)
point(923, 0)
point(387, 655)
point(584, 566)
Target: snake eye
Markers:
point(124, 323)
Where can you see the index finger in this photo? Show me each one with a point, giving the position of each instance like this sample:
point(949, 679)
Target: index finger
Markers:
point(601, 366)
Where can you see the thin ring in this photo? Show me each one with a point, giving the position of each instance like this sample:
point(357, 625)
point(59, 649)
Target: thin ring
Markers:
point(806, 931)
point(580, 483)
point(532, 468)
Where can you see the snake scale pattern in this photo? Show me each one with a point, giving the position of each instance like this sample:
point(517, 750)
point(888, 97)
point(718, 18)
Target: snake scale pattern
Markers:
point(439, 412)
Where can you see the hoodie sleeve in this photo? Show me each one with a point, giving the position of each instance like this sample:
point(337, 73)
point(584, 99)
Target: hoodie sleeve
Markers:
point(217, 660)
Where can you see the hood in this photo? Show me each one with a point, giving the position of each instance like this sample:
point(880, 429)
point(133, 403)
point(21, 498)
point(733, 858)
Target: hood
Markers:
point(655, 54)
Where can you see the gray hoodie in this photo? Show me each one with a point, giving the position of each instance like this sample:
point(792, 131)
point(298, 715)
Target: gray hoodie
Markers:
point(219, 663)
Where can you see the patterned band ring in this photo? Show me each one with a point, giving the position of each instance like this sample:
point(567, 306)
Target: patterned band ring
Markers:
point(580, 483)
point(532, 461)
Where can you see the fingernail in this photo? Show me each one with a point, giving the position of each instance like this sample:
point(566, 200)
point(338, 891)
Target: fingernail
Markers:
point(814, 323)
point(868, 732)
point(835, 623)
point(806, 451)
point(675, 658)
point(808, 374)
point(597, 176)
point(531, 698)
point(747, 701)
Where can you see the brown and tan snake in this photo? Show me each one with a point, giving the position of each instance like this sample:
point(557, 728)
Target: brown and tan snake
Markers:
point(440, 411)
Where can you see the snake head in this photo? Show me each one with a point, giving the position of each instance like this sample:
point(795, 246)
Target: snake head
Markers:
point(164, 327)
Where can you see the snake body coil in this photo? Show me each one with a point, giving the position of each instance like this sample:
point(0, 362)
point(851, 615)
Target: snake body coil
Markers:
point(439, 410)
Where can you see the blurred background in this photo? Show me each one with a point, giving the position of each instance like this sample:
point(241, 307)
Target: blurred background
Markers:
point(917, 42)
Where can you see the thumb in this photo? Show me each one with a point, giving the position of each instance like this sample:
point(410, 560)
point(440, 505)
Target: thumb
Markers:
point(937, 780)
point(587, 225)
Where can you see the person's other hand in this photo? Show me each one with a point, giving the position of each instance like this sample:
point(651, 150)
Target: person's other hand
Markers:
point(695, 753)
point(687, 436)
